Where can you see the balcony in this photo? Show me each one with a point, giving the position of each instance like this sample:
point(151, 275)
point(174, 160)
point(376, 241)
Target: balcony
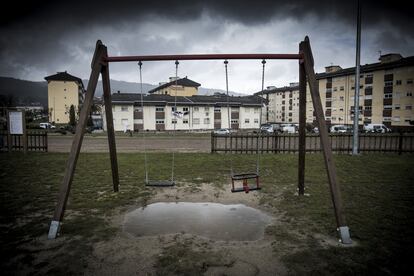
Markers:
point(387, 101)
point(388, 89)
point(367, 113)
point(386, 113)
point(138, 115)
point(159, 115)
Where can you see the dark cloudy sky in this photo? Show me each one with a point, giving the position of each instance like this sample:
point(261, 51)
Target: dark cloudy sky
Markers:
point(44, 37)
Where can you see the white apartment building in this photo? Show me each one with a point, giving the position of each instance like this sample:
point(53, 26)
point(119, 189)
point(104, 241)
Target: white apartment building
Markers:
point(191, 113)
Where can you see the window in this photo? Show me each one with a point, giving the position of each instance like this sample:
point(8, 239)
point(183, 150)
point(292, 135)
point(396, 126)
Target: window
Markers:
point(217, 109)
point(185, 121)
point(335, 89)
point(341, 88)
point(173, 108)
point(341, 98)
point(397, 106)
point(207, 114)
point(409, 81)
point(159, 109)
point(408, 107)
point(138, 109)
point(206, 121)
point(388, 96)
point(206, 108)
point(174, 121)
point(388, 83)
point(409, 94)
point(256, 121)
point(398, 82)
point(195, 108)
point(124, 108)
point(196, 121)
point(341, 109)
point(256, 110)
point(158, 122)
point(247, 121)
point(185, 109)
point(368, 108)
point(234, 121)
point(387, 107)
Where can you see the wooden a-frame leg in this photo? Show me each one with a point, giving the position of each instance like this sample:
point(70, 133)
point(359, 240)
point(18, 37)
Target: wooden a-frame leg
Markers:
point(327, 151)
point(302, 126)
point(77, 141)
point(110, 126)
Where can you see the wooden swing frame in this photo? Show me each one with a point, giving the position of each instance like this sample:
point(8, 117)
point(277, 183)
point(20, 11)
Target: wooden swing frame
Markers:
point(100, 66)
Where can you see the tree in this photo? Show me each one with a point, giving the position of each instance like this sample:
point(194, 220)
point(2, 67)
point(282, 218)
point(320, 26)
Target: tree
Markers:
point(72, 116)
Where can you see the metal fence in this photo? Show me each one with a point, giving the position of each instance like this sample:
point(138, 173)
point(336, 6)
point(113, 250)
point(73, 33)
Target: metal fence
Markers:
point(36, 141)
point(289, 143)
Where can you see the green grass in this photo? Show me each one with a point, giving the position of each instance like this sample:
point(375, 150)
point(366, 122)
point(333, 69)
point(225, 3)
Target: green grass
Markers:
point(377, 190)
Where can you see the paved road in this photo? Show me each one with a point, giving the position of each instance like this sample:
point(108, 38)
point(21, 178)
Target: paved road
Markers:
point(62, 143)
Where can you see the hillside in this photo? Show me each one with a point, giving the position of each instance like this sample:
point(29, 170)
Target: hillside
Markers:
point(26, 92)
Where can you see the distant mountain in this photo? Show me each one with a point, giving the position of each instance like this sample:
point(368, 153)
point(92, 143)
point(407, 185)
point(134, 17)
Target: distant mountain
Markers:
point(25, 92)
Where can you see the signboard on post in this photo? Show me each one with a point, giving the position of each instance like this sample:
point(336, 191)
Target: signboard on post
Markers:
point(17, 126)
point(16, 122)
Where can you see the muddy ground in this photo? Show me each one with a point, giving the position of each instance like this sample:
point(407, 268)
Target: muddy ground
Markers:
point(140, 255)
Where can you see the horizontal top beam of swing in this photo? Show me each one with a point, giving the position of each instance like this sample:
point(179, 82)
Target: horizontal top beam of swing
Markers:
point(202, 57)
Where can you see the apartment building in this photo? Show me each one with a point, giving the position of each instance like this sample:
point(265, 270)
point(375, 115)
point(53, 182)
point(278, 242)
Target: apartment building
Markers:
point(165, 112)
point(63, 90)
point(283, 104)
point(177, 87)
point(386, 95)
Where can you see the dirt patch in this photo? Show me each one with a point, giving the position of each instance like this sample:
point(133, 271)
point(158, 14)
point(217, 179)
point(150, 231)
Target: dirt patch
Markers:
point(182, 253)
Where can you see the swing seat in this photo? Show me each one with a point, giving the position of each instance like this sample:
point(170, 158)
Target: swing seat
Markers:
point(159, 183)
point(244, 177)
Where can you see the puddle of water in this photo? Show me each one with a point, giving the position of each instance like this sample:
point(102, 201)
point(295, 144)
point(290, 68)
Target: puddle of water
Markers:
point(212, 220)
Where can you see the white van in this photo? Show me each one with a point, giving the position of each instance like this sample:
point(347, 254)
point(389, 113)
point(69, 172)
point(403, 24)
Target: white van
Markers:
point(288, 128)
point(377, 128)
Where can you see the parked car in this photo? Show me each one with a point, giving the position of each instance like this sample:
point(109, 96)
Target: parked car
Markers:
point(267, 129)
point(46, 125)
point(222, 131)
point(339, 129)
point(377, 128)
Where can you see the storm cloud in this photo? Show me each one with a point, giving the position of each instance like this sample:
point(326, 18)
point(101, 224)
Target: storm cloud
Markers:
point(46, 37)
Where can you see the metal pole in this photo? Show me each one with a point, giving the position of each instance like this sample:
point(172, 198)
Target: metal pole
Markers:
point(356, 98)
point(201, 57)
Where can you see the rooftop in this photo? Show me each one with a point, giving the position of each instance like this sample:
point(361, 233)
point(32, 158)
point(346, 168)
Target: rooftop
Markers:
point(64, 76)
point(183, 82)
point(158, 99)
